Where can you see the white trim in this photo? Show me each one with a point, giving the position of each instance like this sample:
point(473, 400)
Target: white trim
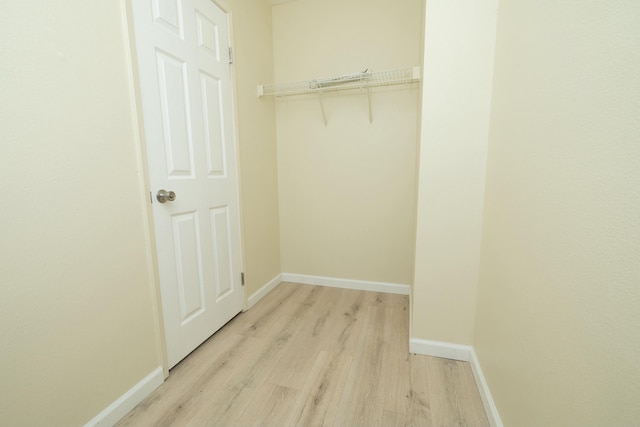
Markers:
point(334, 282)
point(264, 290)
point(485, 393)
point(136, 394)
point(442, 349)
point(410, 313)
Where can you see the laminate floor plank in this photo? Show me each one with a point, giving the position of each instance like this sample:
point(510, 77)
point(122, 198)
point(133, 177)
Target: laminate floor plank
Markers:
point(452, 399)
point(310, 384)
point(277, 311)
point(396, 358)
point(344, 321)
point(254, 367)
point(407, 393)
point(292, 369)
point(322, 399)
point(362, 400)
point(420, 407)
point(314, 356)
point(269, 406)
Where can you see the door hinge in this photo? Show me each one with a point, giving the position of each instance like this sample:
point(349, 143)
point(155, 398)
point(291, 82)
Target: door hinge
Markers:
point(242, 278)
point(230, 56)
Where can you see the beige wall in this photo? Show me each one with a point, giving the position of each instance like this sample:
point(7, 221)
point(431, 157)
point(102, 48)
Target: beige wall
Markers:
point(347, 190)
point(557, 330)
point(456, 90)
point(76, 314)
point(77, 327)
point(253, 59)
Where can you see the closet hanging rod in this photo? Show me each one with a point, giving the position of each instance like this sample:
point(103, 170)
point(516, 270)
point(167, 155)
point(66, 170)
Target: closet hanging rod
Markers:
point(363, 80)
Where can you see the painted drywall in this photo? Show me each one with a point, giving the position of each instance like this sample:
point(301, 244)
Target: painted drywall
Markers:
point(347, 189)
point(77, 326)
point(253, 63)
point(557, 319)
point(459, 45)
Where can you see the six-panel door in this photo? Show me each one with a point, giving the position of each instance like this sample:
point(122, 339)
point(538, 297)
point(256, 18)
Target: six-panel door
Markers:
point(185, 85)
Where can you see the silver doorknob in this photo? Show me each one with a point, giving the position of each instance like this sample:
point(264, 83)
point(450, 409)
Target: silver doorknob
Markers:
point(165, 196)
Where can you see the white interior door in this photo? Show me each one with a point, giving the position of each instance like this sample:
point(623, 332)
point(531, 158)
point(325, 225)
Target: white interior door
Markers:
point(182, 50)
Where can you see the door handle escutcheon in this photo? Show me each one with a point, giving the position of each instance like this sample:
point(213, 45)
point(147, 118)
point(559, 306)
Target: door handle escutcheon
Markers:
point(165, 196)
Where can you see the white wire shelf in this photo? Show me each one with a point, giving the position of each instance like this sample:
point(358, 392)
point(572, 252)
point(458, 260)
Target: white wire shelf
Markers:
point(362, 80)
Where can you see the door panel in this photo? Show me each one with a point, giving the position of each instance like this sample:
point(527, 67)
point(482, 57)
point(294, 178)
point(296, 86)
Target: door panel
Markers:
point(208, 36)
point(185, 86)
point(222, 248)
point(169, 14)
point(188, 258)
point(213, 126)
point(173, 84)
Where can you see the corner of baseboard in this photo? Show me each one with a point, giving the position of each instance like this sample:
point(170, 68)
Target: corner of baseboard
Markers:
point(487, 400)
point(136, 394)
point(264, 290)
point(442, 349)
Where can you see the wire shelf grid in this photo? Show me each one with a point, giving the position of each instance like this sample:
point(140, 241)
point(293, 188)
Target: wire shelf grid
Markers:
point(363, 80)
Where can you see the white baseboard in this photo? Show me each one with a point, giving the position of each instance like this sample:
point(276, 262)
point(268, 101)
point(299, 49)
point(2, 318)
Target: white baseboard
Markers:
point(485, 393)
point(136, 394)
point(445, 350)
point(362, 285)
point(464, 353)
point(264, 290)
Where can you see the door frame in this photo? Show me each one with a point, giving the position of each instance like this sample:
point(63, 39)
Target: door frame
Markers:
point(144, 181)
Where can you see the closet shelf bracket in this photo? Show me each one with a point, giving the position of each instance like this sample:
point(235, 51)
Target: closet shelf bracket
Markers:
point(324, 115)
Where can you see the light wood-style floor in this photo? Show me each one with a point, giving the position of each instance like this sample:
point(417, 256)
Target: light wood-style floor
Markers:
point(314, 356)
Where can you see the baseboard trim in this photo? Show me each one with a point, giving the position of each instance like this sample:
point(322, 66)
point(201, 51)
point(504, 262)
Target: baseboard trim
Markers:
point(445, 350)
point(334, 282)
point(264, 290)
point(489, 405)
point(136, 394)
